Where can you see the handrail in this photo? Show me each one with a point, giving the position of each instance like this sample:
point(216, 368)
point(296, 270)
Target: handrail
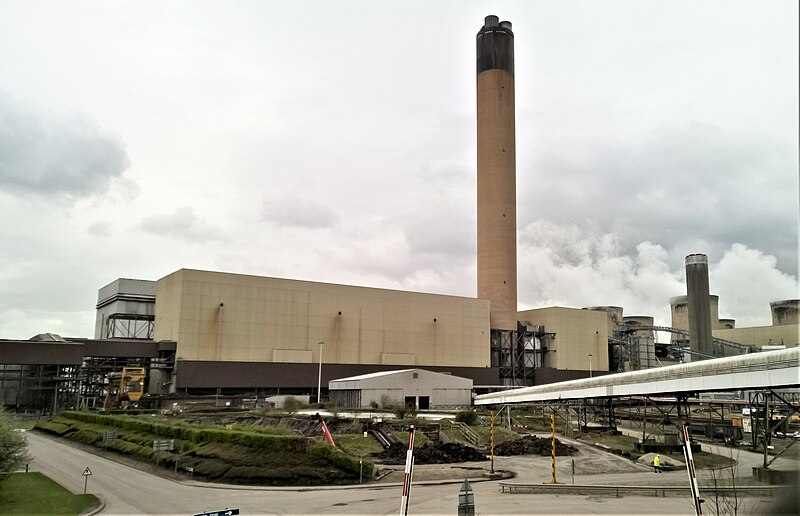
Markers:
point(471, 436)
point(619, 490)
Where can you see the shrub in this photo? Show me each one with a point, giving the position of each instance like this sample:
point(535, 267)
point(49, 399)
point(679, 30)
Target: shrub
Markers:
point(123, 447)
point(261, 440)
point(13, 446)
point(401, 410)
point(467, 417)
point(338, 458)
point(85, 436)
point(53, 427)
point(291, 404)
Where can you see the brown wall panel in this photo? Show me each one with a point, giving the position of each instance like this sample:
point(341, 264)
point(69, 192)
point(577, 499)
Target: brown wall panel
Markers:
point(32, 352)
point(197, 374)
point(72, 353)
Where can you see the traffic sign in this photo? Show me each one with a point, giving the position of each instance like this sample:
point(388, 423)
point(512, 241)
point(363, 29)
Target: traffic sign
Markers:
point(86, 473)
point(224, 512)
point(164, 445)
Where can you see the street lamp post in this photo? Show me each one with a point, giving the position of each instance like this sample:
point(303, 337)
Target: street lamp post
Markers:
point(590, 365)
point(319, 376)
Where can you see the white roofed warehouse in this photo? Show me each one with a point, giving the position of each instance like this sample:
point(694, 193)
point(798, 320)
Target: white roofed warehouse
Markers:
point(423, 389)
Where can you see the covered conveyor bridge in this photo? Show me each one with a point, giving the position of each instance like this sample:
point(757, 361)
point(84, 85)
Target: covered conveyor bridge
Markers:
point(771, 369)
point(770, 377)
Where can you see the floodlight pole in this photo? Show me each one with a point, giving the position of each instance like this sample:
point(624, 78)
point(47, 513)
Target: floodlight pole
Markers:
point(319, 376)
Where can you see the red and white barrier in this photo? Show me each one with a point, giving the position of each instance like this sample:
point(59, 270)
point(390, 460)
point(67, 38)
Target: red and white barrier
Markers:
point(687, 454)
point(408, 473)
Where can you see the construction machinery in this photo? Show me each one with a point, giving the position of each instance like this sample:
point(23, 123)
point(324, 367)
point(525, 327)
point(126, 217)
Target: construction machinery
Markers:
point(125, 387)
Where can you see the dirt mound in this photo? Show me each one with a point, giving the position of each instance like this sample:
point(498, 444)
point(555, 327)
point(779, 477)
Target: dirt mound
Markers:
point(431, 453)
point(532, 445)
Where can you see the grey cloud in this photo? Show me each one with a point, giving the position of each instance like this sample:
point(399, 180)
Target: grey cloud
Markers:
point(563, 264)
point(101, 228)
point(51, 154)
point(439, 220)
point(290, 210)
point(184, 225)
point(694, 183)
point(746, 281)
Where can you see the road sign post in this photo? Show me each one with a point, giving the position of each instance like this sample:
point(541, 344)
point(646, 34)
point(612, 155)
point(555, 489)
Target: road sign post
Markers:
point(160, 445)
point(107, 437)
point(86, 474)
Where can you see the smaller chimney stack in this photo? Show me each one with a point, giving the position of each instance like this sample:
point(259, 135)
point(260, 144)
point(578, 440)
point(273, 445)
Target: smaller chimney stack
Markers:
point(700, 337)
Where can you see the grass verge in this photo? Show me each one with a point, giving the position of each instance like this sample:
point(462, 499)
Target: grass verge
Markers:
point(34, 493)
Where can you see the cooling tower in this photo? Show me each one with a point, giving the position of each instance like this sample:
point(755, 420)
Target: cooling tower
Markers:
point(700, 338)
point(785, 312)
point(713, 310)
point(679, 306)
point(497, 195)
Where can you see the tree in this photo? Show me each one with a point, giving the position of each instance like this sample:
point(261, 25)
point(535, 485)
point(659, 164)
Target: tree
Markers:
point(13, 446)
point(401, 410)
point(386, 402)
point(468, 417)
point(291, 404)
point(727, 499)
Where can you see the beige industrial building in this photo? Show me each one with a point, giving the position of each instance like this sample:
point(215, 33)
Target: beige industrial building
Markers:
point(232, 317)
point(787, 335)
point(240, 331)
point(784, 331)
point(579, 339)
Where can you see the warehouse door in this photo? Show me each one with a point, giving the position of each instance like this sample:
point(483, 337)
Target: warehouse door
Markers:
point(424, 402)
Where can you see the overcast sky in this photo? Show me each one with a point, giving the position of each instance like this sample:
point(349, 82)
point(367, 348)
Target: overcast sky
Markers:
point(335, 142)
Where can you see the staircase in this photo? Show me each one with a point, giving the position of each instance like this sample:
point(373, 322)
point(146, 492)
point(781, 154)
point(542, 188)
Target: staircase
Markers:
point(470, 436)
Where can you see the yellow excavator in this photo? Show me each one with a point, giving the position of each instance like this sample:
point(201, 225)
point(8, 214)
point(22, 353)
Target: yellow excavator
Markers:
point(125, 387)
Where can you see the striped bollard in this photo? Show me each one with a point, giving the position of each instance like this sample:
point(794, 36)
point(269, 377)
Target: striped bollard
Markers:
point(408, 471)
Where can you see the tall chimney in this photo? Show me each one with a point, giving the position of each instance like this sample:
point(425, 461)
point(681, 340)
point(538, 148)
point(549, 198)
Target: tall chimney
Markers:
point(700, 338)
point(497, 194)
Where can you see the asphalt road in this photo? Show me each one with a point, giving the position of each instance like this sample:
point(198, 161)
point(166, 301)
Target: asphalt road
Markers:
point(128, 490)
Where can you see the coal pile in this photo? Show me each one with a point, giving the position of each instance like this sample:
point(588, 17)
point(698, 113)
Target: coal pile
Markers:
point(430, 453)
point(532, 445)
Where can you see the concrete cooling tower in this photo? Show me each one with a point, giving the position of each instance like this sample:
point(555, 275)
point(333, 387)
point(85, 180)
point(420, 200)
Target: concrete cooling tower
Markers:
point(785, 312)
